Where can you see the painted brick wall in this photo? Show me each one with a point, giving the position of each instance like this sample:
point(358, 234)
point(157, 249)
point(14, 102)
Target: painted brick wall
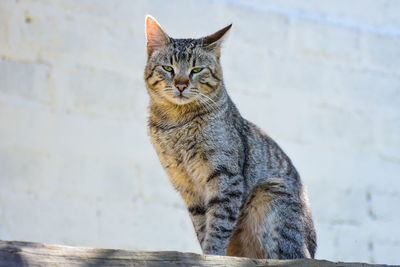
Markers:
point(76, 164)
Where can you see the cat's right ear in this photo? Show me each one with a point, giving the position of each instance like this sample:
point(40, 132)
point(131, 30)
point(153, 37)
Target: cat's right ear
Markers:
point(156, 37)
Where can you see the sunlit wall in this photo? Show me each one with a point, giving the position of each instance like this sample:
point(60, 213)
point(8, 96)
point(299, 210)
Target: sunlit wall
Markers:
point(76, 164)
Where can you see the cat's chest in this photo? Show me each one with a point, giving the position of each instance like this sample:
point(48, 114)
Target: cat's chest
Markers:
point(178, 142)
point(182, 154)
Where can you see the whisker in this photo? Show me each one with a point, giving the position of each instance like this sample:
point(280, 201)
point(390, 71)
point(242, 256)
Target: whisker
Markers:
point(214, 105)
point(207, 104)
point(204, 100)
point(208, 98)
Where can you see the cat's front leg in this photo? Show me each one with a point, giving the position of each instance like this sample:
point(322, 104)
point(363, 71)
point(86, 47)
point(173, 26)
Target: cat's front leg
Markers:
point(197, 211)
point(224, 195)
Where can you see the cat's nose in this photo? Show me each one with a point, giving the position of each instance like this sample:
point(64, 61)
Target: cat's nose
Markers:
point(181, 86)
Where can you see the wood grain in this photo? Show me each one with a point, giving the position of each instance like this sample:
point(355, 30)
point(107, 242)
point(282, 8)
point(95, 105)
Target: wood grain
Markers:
point(15, 254)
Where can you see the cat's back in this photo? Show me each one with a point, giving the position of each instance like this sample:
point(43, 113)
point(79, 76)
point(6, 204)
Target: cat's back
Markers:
point(265, 158)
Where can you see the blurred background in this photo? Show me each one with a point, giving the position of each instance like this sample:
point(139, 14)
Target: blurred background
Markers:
point(77, 167)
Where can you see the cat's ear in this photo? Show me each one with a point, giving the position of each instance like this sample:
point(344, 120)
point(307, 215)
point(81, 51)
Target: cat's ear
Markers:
point(156, 37)
point(213, 42)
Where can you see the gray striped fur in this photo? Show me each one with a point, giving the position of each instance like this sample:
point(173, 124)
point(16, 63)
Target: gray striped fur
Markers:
point(243, 194)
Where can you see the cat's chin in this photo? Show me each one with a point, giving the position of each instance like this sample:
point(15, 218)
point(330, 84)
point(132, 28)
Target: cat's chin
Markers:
point(181, 100)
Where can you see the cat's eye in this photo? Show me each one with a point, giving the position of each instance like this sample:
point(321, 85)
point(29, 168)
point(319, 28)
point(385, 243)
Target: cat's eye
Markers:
point(168, 68)
point(196, 70)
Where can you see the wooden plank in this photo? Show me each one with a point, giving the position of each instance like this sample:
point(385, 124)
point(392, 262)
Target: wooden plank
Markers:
point(15, 253)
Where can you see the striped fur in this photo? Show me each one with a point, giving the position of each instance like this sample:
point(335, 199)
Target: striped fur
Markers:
point(243, 194)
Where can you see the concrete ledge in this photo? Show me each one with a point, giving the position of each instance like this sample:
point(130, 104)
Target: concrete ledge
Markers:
point(15, 253)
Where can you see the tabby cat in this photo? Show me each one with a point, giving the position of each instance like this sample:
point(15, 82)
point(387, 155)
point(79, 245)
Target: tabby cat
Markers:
point(244, 196)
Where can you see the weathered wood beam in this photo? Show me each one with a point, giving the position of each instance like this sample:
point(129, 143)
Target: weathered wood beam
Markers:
point(15, 254)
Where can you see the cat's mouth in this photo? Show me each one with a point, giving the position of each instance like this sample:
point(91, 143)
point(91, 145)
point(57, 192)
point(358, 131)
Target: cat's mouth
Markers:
point(181, 99)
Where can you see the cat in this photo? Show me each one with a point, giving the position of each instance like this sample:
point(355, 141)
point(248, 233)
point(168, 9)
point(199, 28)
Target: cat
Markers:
point(244, 196)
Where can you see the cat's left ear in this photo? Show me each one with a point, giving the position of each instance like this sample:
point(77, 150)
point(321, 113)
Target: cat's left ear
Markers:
point(156, 37)
point(213, 42)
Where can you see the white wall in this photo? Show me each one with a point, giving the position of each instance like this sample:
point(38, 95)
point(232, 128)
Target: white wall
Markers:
point(76, 164)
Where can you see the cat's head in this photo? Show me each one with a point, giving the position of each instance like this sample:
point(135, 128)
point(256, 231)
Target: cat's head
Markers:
point(182, 71)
